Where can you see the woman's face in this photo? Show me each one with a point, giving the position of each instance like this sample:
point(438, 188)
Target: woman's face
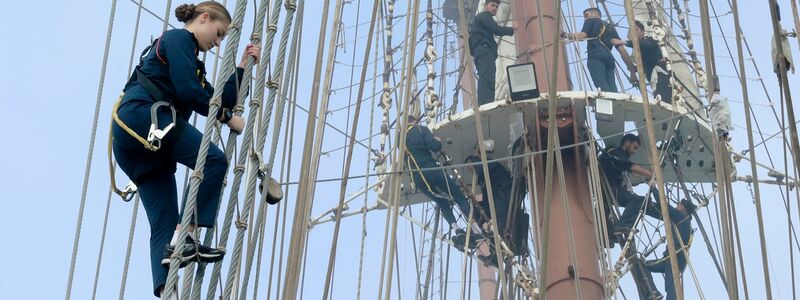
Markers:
point(209, 33)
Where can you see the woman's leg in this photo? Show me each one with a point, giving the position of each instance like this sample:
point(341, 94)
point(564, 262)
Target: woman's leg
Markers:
point(184, 149)
point(159, 198)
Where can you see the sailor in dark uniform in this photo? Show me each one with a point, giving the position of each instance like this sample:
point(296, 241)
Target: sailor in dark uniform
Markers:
point(602, 37)
point(655, 67)
point(615, 162)
point(436, 184)
point(484, 48)
point(151, 132)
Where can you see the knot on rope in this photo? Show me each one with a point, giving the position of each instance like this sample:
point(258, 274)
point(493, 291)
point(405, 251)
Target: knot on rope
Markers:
point(273, 84)
point(215, 101)
point(239, 108)
point(197, 174)
point(239, 168)
point(241, 225)
point(290, 5)
point(272, 27)
point(255, 38)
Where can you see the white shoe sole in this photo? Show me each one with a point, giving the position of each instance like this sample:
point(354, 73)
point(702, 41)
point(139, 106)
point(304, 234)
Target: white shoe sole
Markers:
point(184, 260)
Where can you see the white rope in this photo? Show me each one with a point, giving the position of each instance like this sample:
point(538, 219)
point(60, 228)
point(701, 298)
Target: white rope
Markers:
point(386, 98)
point(102, 245)
point(130, 246)
point(197, 175)
point(279, 110)
point(90, 154)
point(247, 140)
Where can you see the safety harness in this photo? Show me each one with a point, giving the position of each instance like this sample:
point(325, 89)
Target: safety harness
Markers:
point(155, 134)
point(410, 159)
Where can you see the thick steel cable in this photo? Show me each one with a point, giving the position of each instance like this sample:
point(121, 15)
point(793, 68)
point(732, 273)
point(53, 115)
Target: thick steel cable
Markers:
point(279, 112)
point(367, 167)
point(432, 103)
point(90, 154)
point(386, 104)
point(127, 263)
point(386, 98)
point(289, 135)
point(102, 245)
point(654, 157)
point(431, 252)
point(197, 174)
point(721, 161)
point(349, 158)
point(254, 163)
point(134, 214)
point(753, 170)
point(784, 83)
point(299, 230)
point(255, 108)
point(290, 81)
point(414, 12)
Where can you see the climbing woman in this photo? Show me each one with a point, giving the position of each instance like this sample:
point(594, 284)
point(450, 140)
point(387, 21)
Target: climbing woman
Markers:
point(151, 132)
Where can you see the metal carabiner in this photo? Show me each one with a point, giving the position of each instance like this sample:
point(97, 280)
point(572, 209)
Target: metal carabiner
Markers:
point(155, 135)
point(129, 192)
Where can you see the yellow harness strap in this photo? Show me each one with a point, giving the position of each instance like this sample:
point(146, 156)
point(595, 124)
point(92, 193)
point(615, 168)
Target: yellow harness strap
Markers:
point(409, 160)
point(111, 167)
point(685, 248)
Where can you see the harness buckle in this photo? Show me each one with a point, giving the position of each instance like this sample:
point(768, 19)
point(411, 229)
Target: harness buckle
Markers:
point(155, 135)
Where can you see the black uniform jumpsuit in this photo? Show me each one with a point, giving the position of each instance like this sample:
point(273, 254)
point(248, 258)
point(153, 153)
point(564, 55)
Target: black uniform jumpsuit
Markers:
point(614, 162)
point(600, 61)
point(484, 52)
point(419, 144)
point(172, 65)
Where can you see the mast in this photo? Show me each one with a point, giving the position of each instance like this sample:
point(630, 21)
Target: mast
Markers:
point(535, 42)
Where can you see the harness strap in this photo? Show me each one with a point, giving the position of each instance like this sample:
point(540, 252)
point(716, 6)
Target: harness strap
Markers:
point(684, 249)
point(410, 158)
point(127, 129)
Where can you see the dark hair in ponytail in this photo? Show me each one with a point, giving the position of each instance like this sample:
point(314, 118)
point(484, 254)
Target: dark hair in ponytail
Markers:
point(186, 13)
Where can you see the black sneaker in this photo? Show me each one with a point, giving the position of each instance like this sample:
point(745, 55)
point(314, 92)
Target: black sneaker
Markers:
point(210, 255)
point(187, 256)
point(193, 251)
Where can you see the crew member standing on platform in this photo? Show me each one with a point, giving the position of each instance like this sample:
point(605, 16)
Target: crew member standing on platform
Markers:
point(655, 68)
point(601, 38)
point(484, 48)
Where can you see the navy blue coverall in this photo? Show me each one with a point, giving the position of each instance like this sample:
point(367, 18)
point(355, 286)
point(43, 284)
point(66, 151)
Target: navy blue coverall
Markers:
point(614, 162)
point(501, 191)
point(684, 225)
point(172, 65)
point(484, 51)
point(652, 57)
point(600, 62)
point(419, 144)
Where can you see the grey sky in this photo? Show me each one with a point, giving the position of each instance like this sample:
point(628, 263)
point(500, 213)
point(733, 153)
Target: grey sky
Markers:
point(52, 62)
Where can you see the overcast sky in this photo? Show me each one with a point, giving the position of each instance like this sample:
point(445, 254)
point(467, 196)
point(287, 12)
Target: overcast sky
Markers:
point(49, 85)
